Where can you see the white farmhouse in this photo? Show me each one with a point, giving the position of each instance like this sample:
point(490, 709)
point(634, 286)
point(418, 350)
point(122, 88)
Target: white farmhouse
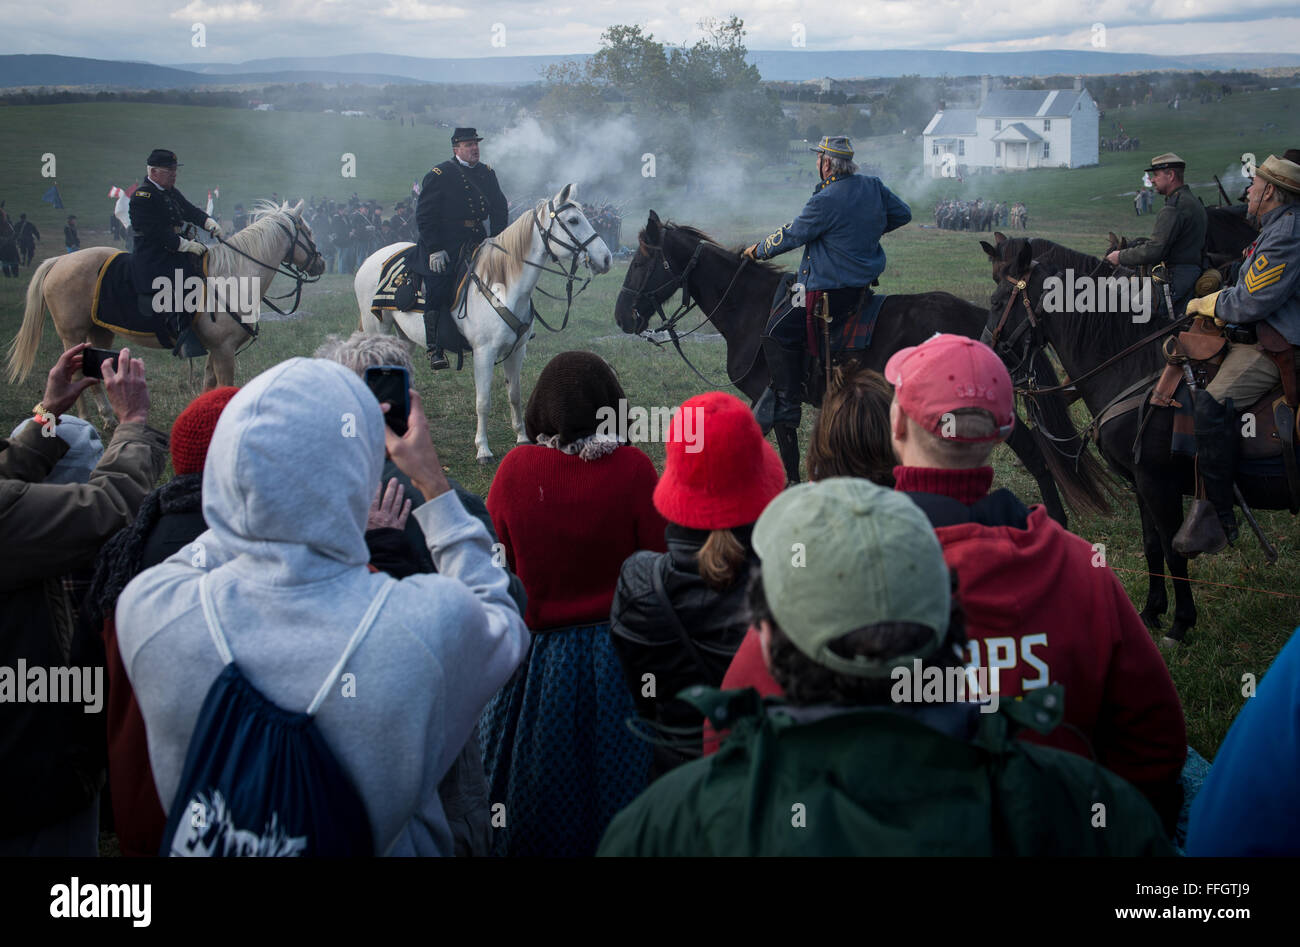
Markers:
point(1014, 130)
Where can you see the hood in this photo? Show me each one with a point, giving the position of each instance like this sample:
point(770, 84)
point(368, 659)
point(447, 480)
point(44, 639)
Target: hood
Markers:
point(1004, 573)
point(291, 470)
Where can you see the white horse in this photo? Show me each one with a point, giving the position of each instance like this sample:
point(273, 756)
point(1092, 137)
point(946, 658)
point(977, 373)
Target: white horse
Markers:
point(507, 267)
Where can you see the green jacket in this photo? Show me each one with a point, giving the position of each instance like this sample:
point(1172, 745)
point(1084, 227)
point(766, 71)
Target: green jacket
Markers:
point(878, 781)
point(1178, 236)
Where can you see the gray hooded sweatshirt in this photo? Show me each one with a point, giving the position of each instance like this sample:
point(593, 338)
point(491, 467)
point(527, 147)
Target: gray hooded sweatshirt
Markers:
point(290, 474)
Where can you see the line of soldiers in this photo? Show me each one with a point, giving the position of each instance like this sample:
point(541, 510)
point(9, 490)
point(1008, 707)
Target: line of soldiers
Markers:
point(979, 214)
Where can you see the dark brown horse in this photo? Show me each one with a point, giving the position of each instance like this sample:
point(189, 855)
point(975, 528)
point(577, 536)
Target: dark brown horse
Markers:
point(737, 297)
point(1090, 347)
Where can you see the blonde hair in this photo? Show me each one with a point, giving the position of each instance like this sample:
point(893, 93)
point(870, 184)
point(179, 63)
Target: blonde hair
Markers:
point(721, 559)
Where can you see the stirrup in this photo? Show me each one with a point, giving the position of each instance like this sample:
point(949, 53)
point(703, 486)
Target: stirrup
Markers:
point(438, 360)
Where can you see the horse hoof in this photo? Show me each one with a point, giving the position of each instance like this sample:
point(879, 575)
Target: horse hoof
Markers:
point(1169, 644)
point(1150, 619)
point(485, 459)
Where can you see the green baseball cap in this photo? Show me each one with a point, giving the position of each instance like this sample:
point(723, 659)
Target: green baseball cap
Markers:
point(842, 554)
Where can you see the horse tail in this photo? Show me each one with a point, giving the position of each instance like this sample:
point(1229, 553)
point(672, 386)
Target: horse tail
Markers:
point(1086, 484)
point(23, 348)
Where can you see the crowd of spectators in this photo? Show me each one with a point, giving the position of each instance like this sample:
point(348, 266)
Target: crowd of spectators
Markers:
point(599, 659)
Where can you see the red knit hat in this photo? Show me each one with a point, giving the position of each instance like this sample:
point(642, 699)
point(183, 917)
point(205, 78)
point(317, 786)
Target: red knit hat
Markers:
point(720, 472)
point(192, 430)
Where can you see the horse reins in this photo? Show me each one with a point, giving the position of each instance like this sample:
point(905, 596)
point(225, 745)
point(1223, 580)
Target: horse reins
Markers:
point(685, 306)
point(286, 267)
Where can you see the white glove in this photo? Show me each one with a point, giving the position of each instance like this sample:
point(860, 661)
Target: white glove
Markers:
point(438, 261)
point(212, 227)
point(191, 246)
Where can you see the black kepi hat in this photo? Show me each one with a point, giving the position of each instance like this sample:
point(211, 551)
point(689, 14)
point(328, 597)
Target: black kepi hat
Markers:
point(162, 158)
point(465, 134)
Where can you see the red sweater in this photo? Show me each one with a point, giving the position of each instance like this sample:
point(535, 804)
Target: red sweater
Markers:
point(1037, 607)
point(567, 525)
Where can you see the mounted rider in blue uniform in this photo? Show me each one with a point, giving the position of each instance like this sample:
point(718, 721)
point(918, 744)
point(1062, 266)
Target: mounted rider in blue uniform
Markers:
point(840, 229)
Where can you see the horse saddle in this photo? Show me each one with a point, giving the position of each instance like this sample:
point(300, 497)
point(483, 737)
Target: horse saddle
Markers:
point(116, 306)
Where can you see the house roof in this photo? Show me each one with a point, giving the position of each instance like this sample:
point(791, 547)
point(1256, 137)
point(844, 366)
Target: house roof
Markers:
point(1014, 103)
point(952, 122)
point(1017, 132)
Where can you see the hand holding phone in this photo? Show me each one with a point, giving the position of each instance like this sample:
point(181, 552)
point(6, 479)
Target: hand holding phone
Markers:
point(92, 363)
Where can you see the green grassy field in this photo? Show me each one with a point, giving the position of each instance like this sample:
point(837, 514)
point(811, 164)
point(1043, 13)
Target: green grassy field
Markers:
point(1247, 608)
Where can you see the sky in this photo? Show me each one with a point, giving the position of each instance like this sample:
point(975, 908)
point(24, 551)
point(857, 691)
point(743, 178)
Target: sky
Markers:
point(240, 30)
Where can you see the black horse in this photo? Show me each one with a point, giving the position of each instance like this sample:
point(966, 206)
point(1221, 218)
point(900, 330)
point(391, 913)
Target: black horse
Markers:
point(1092, 348)
point(736, 295)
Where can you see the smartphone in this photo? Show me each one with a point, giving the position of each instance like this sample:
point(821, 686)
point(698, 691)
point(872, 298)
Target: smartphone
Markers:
point(392, 383)
point(92, 362)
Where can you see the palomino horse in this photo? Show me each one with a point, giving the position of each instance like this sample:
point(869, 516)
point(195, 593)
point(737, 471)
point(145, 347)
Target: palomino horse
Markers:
point(736, 297)
point(66, 285)
point(508, 267)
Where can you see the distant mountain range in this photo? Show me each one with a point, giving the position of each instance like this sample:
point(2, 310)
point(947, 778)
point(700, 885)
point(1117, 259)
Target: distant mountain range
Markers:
point(790, 65)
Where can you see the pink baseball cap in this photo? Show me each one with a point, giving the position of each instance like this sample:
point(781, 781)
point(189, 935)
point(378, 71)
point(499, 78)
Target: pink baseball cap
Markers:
point(947, 372)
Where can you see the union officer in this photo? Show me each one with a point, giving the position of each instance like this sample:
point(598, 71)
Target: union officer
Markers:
point(456, 198)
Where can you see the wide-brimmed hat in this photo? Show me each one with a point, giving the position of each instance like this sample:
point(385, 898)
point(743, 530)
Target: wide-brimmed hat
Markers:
point(465, 134)
point(1166, 161)
point(162, 158)
point(837, 146)
point(1280, 173)
point(719, 471)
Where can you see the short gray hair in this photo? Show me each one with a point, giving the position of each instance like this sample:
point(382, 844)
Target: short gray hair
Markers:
point(362, 350)
point(842, 166)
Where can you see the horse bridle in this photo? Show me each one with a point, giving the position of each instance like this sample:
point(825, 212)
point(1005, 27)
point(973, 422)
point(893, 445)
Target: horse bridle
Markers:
point(286, 267)
point(577, 248)
point(678, 281)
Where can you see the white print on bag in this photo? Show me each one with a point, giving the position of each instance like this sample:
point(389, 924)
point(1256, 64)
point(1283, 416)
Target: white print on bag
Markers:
point(103, 900)
point(57, 685)
point(210, 831)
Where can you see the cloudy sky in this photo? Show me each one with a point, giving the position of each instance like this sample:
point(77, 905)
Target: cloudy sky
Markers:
point(253, 29)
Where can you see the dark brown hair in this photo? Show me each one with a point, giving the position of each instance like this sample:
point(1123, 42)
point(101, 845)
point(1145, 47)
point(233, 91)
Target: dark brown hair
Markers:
point(851, 435)
point(721, 559)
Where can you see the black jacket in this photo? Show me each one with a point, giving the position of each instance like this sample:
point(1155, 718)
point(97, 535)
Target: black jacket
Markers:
point(646, 639)
point(453, 199)
point(156, 214)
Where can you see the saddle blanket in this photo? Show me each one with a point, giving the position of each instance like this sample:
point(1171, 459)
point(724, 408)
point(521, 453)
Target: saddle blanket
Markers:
point(399, 288)
point(116, 306)
point(848, 334)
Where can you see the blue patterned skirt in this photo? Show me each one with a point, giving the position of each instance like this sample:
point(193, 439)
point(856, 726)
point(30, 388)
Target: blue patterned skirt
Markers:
point(557, 750)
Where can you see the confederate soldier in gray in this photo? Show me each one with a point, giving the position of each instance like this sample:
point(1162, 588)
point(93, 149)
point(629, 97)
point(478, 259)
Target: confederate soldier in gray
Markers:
point(460, 205)
point(1266, 297)
point(1178, 238)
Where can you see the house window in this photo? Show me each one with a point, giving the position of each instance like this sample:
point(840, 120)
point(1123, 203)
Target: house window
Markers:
point(935, 152)
point(961, 147)
point(1047, 124)
point(1047, 150)
point(997, 124)
point(997, 149)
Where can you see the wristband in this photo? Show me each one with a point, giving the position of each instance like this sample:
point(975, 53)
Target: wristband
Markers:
point(42, 415)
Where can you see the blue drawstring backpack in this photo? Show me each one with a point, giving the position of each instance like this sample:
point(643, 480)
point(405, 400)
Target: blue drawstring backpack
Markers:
point(260, 780)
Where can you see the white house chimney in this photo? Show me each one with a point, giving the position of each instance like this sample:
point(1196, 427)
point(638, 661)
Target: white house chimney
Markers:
point(1078, 83)
point(984, 88)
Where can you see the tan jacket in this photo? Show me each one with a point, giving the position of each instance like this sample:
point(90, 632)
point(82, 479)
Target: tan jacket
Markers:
point(50, 529)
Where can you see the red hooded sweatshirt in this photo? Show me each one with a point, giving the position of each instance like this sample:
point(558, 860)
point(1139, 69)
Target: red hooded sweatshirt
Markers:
point(1041, 612)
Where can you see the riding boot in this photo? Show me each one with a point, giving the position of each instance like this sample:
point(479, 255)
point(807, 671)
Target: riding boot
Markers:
point(1216, 461)
point(432, 316)
point(785, 368)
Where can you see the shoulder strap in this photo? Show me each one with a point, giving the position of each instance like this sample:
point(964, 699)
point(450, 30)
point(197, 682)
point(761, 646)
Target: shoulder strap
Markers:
point(210, 617)
point(656, 574)
point(353, 643)
point(227, 657)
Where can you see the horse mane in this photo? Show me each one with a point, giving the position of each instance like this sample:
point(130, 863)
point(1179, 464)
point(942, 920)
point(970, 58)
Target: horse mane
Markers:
point(260, 240)
point(1083, 264)
point(505, 267)
point(703, 237)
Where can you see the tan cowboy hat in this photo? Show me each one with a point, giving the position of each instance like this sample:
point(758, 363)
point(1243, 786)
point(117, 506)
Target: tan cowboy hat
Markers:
point(1166, 160)
point(1280, 173)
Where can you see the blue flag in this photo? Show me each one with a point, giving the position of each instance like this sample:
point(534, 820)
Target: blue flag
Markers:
point(52, 197)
